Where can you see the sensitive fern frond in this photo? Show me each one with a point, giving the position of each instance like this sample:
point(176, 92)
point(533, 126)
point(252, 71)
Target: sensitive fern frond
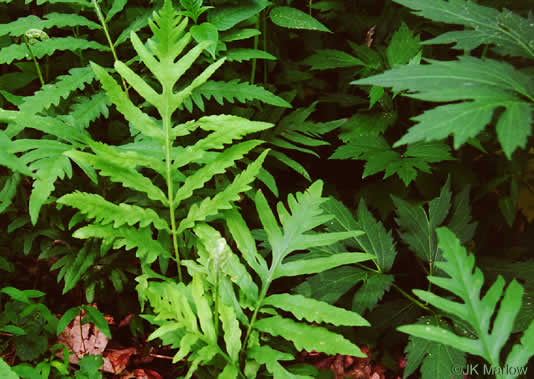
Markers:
point(104, 212)
point(51, 20)
point(48, 47)
point(228, 91)
point(51, 94)
point(492, 327)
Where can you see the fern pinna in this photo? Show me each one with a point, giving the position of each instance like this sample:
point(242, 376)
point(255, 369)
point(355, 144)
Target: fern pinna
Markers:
point(224, 299)
point(155, 150)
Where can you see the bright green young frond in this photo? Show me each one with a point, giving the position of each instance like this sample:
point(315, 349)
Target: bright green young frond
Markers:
point(104, 212)
point(308, 337)
point(223, 200)
point(219, 165)
point(315, 311)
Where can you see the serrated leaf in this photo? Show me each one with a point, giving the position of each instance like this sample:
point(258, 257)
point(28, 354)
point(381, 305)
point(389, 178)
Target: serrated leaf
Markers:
point(103, 212)
point(240, 55)
point(242, 92)
point(48, 47)
point(437, 359)
point(51, 94)
point(227, 16)
point(328, 59)
point(315, 311)
point(292, 18)
point(487, 84)
point(403, 46)
point(50, 20)
point(340, 280)
point(509, 31)
point(308, 337)
point(372, 290)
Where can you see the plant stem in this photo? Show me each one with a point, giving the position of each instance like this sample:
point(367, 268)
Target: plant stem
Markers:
point(37, 68)
point(256, 41)
point(108, 37)
point(411, 298)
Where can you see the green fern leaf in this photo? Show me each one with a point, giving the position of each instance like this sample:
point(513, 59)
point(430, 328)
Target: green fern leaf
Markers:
point(10, 160)
point(73, 266)
point(270, 357)
point(315, 265)
point(492, 327)
point(217, 257)
point(437, 359)
point(89, 108)
point(308, 337)
point(148, 249)
point(243, 92)
point(6, 199)
point(48, 170)
point(403, 46)
point(104, 212)
point(51, 94)
point(218, 166)
point(128, 177)
point(511, 33)
point(225, 129)
point(223, 200)
point(488, 84)
point(240, 55)
point(232, 332)
point(314, 311)
point(51, 20)
point(48, 47)
point(140, 120)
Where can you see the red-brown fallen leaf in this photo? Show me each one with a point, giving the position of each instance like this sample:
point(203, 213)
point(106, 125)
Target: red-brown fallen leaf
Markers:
point(146, 374)
point(118, 359)
point(126, 320)
point(88, 339)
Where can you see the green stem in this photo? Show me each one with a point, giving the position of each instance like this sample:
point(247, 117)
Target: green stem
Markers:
point(37, 68)
point(411, 298)
point(264, 35)
point(108, 37)
point(7, 116)
point(256, 41)
point(166, 117)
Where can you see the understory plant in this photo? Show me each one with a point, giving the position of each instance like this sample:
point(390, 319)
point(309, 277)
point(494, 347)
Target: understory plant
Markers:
point(224, 302)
